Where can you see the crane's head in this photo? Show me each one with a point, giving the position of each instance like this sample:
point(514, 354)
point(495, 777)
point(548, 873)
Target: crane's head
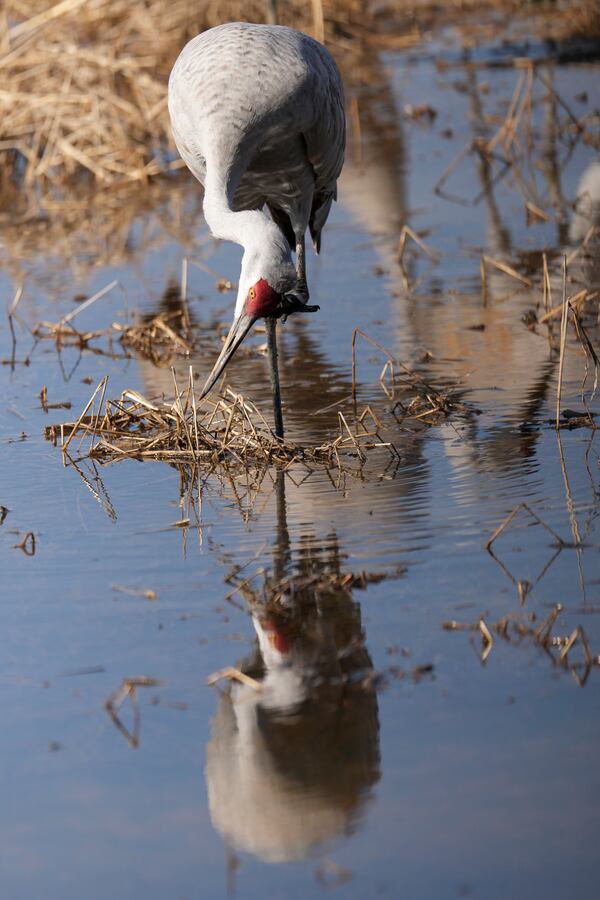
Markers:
point(267, 274)
point(261, 300)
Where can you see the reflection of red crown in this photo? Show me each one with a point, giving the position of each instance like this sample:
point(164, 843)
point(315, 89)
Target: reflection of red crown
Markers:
point(262, 300)
point(276, 638)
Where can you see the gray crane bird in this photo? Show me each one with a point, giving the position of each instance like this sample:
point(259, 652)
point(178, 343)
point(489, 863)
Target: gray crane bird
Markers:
point(257, 113)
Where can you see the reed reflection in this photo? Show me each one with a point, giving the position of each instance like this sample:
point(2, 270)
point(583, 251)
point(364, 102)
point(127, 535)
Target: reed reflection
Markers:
point(294, 757)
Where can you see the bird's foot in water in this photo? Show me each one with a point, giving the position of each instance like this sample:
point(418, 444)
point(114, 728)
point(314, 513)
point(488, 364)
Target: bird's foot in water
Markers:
point(294, 303)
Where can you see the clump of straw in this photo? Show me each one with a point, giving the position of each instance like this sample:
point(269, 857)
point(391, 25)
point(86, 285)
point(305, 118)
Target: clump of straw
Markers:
point(159, 339)
point(231, 430)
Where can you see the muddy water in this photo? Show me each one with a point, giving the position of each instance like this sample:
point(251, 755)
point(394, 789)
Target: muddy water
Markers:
point(384, 755)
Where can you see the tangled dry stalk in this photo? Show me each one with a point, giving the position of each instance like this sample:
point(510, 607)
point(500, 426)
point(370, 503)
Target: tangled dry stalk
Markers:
point(231, 429)
point(519, 628)
point(158, 339)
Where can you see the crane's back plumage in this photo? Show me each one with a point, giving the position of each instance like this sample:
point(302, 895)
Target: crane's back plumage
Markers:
point(258, 116)
point(258, 109)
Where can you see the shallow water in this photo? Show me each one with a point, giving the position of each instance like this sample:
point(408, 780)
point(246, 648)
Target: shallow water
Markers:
point(353, 769)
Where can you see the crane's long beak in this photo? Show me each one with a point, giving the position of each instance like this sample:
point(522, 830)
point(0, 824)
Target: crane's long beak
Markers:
point(238, 331)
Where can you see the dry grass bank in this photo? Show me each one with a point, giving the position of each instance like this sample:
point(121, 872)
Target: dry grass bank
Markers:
point(82, 82)
point(83, 115)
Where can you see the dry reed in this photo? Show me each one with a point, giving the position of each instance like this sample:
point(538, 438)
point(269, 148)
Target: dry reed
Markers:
point(158, 339)
point(520, 628)
point(230, 429)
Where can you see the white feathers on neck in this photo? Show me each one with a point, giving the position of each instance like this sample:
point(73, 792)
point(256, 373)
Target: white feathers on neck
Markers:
point(266, 251)
point(266, 255)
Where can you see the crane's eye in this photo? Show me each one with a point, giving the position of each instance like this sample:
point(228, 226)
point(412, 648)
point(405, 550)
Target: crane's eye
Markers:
point(252, 293)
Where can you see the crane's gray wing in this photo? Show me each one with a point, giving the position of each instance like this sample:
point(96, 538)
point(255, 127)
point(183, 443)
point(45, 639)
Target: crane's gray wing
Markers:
point(326, 139)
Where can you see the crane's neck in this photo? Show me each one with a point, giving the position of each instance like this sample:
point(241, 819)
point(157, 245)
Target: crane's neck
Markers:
point(249, 228)
point(266, 251)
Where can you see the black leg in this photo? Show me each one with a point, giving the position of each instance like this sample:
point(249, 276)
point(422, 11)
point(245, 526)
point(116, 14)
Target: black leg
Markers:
point(271, 324)
point(301, 286)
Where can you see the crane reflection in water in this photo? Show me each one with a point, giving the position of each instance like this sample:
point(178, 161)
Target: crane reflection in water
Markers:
point(292, 766)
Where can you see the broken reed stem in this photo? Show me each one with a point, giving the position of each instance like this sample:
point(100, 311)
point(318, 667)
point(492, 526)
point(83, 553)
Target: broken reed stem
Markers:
point(508, 270)
point(412, 375)
point(101, 386)
point(579, 299)
point(182, 415)
point(542, 632)
point(100, 405)
point(183, 295)
point(318, 20)
point(79, 309)
point(536, 212)
point(407, 232)
point(508, 119)
point(506, 522)
point(483, 274)
point(563, 341)
point(194, 409)
point(487, 640)
point(547, 290)
point(350, 435)
point(587, 653)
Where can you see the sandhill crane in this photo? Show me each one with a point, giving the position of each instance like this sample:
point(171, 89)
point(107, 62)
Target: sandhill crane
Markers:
point(291, 767)
point(257, 114)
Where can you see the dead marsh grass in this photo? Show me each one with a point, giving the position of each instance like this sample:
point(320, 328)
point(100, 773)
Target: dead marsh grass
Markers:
point(159, 339)
point(231, 429)
point(525, 629)
point(85, 146)
point(84, 81)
